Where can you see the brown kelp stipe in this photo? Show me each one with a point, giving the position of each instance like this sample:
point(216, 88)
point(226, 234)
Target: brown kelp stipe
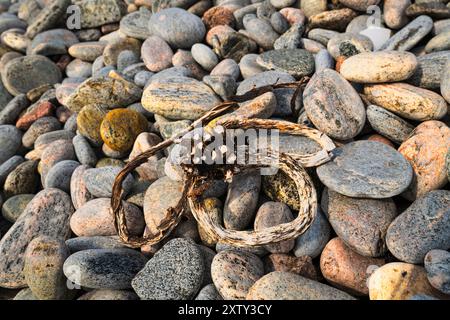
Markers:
point(198, 177)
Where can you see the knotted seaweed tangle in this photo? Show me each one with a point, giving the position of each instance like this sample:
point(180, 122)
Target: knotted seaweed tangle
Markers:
point(197, 178)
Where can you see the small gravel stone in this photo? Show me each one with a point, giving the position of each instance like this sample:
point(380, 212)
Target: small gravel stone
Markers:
point(241, 201)
point(10, 142)
point(333, 106)
point(345, 268)
point(379, 67)
point(179, 98)
point(271, 214)
point(94, 242)
point(204, 56)
point(410, 35)
point(208, 292)
point(8, 166)
point(19, 78)
point(107, 294)
point(84, 151)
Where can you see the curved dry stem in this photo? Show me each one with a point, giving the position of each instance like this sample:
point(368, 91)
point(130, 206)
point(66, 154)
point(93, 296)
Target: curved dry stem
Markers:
point(281, 232)
point(195, 181)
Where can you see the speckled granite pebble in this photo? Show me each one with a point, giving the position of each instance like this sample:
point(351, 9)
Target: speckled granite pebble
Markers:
point(47, 214)
point(422, 227)
point(43, 266)
point(289, 286)
point(174, 273)
point(437, 265)
point(234, 272)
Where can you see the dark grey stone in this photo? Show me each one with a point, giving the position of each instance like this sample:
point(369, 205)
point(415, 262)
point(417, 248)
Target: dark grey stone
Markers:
point(104, 268)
